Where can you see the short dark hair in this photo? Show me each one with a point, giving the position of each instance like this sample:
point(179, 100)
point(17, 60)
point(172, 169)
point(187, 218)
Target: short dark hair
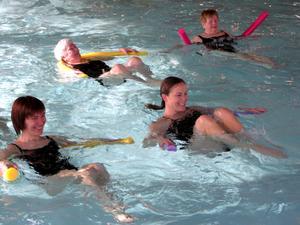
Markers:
point(165, 88)
point(23, 107)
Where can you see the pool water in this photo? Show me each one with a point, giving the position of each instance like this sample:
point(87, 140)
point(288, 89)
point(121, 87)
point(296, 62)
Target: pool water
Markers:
point(157, 187)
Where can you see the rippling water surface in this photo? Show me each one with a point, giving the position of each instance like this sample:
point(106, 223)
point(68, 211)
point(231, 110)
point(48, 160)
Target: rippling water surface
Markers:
point(157, 187)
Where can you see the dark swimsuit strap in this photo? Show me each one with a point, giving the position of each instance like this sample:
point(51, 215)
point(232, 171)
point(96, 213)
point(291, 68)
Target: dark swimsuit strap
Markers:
point(22, 151)
point(18, 147)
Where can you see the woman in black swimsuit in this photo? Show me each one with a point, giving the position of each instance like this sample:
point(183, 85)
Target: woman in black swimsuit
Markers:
point(68, 52)
point(42, 152)
point(182, 122)
point(215, 39)
point(212, 37)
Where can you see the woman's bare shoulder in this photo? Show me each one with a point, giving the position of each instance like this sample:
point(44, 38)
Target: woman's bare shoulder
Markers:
point(9, 151)
point(160, 123)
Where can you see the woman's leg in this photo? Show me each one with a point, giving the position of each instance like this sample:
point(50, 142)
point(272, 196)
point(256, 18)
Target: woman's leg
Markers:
point(117, 69)
point(223, 125)
point(94, 174)
point(227, 120)
point(125, 71)
point(258, 59)
point(121, 71)
point(135, 64)
point(208, 126)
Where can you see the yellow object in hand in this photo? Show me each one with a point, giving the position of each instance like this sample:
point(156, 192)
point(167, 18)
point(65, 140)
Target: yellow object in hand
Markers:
point(9, 173)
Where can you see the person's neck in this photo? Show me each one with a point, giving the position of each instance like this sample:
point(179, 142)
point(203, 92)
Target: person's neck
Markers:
point(173, 114)
point(25, 138)
point(211, 33)
point(70, 62)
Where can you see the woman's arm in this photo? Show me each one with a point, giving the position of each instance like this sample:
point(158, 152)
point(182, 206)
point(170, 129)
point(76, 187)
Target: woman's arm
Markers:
point(157, 134)
point(196, 40)
point(10, 151)
point(62, 141)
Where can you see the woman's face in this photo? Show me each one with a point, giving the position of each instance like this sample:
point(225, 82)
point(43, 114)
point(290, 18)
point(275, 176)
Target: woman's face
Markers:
point(211, 25)
point(34, 124)
point(177, 98)
point(72, 54)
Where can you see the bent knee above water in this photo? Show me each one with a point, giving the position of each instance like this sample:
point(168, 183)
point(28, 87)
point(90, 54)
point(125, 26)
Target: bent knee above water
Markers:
point(118, 69)
point(201, 124)
point(228, 120)
point(222, 111)
point(134, 62)
point(95, 169)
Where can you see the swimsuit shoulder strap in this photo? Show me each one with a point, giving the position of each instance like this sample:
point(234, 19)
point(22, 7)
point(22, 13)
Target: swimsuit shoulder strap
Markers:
point(51, 140)
point(201, 37)
point(225, 33)
point(17, 146)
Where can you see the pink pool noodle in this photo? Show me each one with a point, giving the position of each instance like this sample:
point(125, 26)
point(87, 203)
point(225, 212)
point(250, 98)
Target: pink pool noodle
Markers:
point(186, 40)
point(256, 23)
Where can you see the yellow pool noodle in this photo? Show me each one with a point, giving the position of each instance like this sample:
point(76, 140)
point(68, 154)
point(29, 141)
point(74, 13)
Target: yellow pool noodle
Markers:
point(92, 55)
point(93, 143)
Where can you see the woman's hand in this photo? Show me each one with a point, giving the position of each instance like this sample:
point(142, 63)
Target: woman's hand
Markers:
point(196, 40)
point(127, 50)
point(163, 142)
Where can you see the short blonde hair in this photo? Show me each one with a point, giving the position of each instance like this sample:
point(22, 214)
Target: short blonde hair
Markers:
point(208, 13)
point(61, 47)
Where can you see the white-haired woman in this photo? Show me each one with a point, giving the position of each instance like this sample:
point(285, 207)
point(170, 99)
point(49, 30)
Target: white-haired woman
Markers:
point(68, 52)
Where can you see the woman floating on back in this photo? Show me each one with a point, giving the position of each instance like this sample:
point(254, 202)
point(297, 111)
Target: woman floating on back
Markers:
point(69, 54)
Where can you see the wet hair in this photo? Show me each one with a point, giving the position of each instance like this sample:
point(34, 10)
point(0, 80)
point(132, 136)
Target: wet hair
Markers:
point(165, 88)
point(22, 108)
point(61, 47)
point(207, 14)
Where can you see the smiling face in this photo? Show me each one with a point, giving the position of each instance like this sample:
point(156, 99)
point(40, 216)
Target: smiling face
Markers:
point(71, 54)
point(177, 98)
point(34, 124)
point(210, 25)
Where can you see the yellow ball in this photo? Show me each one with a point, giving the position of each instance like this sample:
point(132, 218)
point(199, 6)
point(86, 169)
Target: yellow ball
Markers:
point(11, 174)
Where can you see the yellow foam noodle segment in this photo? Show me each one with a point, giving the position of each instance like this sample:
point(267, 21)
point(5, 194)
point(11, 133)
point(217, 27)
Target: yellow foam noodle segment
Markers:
point(94, 56)
point(11, 174)
point(93, 143)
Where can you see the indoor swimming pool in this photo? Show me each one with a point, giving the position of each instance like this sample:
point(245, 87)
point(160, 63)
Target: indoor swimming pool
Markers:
point(240, 187)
